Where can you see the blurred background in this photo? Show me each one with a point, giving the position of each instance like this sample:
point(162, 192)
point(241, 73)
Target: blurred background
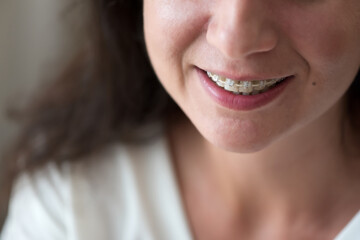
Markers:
point(36, 38)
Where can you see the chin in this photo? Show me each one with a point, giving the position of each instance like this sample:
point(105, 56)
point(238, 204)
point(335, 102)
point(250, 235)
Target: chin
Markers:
point(245, 139)
point(238, 145)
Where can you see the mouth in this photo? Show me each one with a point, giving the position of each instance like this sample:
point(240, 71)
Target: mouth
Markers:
point(253, 87)
point(245, 93)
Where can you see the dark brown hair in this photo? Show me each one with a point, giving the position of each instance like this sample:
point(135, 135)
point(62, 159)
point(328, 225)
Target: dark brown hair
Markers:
point(106, 92)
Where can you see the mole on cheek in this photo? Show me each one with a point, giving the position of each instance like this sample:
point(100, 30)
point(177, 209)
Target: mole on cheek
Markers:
point(314, 83)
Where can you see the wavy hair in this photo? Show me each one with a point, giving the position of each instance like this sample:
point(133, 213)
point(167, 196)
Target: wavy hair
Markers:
point(107, 93)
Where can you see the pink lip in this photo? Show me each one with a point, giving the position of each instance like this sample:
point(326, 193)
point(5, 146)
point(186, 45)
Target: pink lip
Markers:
point(240, 102)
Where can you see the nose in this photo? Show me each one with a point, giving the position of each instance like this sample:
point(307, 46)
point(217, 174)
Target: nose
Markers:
point(239, 28)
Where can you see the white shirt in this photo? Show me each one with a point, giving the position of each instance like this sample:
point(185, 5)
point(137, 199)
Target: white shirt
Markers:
point(124, 193)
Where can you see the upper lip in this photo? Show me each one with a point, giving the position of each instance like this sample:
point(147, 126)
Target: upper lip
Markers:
point(246, 77)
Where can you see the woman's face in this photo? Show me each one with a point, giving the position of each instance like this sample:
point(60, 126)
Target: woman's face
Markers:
point(315, 44)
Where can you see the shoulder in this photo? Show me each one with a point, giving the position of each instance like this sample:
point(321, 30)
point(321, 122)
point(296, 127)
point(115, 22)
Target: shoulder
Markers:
point(118, 165)
point(38, 199)
point(69, 199)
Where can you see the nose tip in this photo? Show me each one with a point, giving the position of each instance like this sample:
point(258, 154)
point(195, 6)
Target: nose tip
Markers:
point(234, 45)
point(240, 30)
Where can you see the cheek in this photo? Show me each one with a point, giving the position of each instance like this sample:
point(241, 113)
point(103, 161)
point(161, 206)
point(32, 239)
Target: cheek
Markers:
point(171, 29)
point(318, 39)
point(171, 26)
point(327, 37)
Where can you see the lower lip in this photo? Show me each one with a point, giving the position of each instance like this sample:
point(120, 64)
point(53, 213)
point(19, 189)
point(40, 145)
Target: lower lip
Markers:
point(240, 102)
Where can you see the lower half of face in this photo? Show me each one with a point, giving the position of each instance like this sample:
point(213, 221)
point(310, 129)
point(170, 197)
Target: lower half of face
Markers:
point(247, 99)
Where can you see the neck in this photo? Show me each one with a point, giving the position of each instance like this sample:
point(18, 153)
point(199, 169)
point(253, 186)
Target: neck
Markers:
point(304, 172)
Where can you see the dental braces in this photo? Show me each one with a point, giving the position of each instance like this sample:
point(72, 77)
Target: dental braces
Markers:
point(242, 86)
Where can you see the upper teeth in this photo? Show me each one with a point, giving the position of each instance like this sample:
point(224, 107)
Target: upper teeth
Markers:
point(244, 87)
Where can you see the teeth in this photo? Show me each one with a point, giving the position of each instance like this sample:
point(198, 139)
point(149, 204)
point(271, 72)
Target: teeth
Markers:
point(247, 87)
point(230, 86)
point(243, 87)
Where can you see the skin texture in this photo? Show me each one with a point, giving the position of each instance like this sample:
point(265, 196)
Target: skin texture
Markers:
point(291, 145)
point(315, 40)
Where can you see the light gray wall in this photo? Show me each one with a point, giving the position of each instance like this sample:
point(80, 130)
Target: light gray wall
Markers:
point(34, 37)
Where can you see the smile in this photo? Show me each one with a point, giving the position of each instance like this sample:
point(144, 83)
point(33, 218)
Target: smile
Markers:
point(244, 87)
